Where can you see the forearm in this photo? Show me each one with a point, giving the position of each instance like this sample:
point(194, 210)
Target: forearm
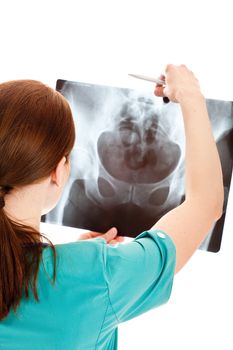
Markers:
point(203, 174)
point(190, 222)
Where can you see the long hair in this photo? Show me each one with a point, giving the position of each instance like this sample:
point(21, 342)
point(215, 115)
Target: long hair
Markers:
point(36, 131)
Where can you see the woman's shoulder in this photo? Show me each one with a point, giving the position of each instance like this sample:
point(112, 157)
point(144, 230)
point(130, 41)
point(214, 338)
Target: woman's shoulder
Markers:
point(76, 257)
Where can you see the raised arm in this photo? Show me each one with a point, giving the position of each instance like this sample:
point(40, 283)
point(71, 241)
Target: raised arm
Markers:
point(189, 223)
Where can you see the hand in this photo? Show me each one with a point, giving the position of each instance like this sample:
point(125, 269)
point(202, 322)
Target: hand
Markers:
point(180, 83)
point(110, 236)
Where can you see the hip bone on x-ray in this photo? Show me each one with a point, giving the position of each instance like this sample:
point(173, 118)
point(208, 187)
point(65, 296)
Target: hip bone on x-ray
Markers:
point(127, 165)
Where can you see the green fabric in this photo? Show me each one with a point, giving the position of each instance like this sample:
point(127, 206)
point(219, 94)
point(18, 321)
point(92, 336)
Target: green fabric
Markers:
point(98, 286)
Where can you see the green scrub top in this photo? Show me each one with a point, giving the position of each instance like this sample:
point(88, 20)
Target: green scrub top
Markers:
point(97, 287)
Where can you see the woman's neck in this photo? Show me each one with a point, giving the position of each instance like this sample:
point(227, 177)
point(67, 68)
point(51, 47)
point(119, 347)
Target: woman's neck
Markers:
point(23, 209)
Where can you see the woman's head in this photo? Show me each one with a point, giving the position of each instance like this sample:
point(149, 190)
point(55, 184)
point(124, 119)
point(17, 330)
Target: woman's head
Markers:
point(37, 134)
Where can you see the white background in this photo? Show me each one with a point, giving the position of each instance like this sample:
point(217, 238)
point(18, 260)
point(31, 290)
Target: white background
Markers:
point(101, 42)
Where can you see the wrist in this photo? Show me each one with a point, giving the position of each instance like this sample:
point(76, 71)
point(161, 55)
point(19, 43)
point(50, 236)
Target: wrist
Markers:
point(187, 97)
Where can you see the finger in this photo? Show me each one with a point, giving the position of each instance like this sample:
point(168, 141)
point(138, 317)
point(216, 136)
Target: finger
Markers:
point(120, 238)
point(84, 236)
point(113, 241)
point(162, 77)
point(94, 233)
point(110, 234)
point(159, 91)
point(89, 235)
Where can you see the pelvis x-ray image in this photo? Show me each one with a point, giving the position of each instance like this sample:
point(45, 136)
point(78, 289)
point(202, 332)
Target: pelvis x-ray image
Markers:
point(127, 166)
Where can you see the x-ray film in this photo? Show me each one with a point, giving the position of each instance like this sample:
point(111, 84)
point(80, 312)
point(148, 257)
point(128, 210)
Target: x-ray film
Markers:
point(127, 165)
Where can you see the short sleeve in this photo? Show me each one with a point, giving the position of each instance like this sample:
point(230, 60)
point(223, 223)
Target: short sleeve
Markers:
point(139, 274)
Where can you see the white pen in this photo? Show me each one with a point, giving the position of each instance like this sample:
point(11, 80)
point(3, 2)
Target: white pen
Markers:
point(153, 80)
point(144, 77)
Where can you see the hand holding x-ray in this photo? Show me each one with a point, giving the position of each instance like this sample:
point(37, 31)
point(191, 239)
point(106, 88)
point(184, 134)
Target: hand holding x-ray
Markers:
point(110, 236)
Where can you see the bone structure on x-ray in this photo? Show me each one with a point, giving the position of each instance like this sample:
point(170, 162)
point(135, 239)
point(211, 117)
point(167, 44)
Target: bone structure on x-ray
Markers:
point(128, 161)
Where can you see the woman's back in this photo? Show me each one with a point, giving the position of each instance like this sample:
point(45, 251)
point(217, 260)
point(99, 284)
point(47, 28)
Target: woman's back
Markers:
point(97, 287)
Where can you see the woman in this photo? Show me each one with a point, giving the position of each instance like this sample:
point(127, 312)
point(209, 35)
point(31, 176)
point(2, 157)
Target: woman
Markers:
point(74, 295)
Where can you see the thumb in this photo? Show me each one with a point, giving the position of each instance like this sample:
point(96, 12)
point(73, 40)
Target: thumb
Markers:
point(110, 234)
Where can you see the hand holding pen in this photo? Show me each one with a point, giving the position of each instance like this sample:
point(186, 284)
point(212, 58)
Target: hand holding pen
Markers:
point(160, 83)
point(178, 82)
point(181, 84)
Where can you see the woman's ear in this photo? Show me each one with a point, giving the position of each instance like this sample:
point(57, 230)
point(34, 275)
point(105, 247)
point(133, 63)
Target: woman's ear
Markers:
point(59, 174)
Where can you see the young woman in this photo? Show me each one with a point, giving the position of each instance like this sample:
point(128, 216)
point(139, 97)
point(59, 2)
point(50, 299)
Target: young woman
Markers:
point(74, 295)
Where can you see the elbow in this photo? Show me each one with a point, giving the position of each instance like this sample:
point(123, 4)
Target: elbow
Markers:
point(219, 210)
point(214, 198)
point(218, 205)
point(212, 204)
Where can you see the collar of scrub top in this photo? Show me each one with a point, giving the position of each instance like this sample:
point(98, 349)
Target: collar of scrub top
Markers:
point(33, 244)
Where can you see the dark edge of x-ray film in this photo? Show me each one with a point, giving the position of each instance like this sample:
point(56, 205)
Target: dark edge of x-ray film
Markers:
point(127, 165)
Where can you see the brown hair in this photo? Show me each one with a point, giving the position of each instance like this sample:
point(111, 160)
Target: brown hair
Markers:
point(36, 131)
